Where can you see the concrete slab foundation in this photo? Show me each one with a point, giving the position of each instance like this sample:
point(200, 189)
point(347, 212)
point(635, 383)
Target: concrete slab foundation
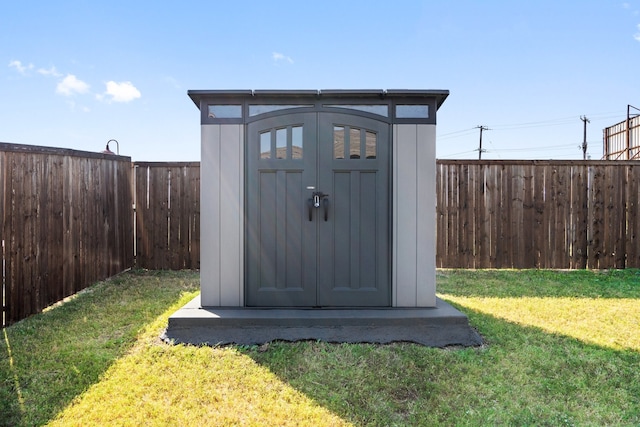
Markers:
point(439, 326)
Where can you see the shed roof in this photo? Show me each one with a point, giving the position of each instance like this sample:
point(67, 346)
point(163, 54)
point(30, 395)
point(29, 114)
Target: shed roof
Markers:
point(439, 94)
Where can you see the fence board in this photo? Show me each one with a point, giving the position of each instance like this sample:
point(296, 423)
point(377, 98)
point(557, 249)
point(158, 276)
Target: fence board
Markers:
point(484, 223)
point(517, 218)
point(633, 218)
point(452, 214)
point(466, 216)
point(440, 214)
point(579, 209)
point(528, 224)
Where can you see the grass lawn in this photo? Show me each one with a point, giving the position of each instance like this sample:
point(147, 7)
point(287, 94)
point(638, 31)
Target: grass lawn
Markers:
point(562, 348)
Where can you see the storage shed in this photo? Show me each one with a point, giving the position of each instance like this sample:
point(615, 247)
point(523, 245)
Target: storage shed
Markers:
point(317, 207)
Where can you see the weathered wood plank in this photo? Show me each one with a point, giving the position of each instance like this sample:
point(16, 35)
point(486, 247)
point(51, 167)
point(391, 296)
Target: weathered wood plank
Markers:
point(527, 258)
point(632, 231)
point(579, 216)
point(466, 238)
point(483, 214)
point(453, 221)
point(441, 216)
point(517, 226)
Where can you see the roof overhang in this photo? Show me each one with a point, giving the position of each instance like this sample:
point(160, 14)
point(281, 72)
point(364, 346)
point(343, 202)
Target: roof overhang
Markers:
point(398, 94)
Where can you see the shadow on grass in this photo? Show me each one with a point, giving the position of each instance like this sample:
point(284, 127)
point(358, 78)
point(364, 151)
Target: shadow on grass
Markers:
point(52, 357)
point(524, 376)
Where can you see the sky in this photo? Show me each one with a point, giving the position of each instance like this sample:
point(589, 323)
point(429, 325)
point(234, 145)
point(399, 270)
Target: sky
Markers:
point(75, 74)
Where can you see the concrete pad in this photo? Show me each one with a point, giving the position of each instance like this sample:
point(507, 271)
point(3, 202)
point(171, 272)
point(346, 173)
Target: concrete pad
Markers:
point(440, 326)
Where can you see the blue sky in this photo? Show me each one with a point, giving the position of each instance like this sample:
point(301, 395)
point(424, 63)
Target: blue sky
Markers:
point(75, 74)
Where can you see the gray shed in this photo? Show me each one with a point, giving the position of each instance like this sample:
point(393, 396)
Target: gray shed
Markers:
point(318, 207)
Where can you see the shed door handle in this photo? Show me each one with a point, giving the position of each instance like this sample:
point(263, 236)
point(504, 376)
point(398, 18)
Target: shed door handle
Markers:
point(310, 207)
point(318, 198)
point(325, 205)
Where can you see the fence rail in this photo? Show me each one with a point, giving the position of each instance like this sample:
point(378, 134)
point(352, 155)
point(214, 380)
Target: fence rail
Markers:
point(66, 223)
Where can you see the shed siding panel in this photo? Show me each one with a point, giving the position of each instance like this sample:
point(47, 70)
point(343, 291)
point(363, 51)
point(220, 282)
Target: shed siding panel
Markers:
point(414, 188)
point(425, 214)
point(222, 205)
point(231, 214)
point(405, 215)
point(210, 208)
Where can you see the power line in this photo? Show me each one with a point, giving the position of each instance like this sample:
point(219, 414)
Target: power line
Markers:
point(458, 154)
point(541, 123)
point(551, 147)
point(458, 131)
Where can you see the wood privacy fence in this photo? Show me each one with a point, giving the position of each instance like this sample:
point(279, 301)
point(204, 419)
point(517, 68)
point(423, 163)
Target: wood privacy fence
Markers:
point(66, 223)
point(71, 218)
point(167, 215)
point(538, 214)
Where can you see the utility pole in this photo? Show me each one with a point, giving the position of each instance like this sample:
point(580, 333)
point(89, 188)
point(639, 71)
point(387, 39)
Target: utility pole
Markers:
point(584, 140)
point(480, 150)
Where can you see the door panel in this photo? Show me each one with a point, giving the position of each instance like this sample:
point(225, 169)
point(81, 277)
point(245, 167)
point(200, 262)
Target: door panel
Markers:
point(343, 260)
point(281, 256)
point(354, 252)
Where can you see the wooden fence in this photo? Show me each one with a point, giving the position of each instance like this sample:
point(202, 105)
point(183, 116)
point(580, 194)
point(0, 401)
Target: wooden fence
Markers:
point(167, 215)
point(490, 214)
point(538, 214)
point(68, 219)
point(66, 223)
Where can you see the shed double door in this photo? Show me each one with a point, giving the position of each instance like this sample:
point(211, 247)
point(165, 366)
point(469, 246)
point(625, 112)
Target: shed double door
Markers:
point(318, 229)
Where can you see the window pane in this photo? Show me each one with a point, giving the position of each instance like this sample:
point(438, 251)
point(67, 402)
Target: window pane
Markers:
point(296, 142)
point(338, 142)
point(281, 144)
point(371, 145)
point(354, 143)
point(412, 111)
point(225, 111)
point(382, 110)
point(265, 145)
point(254, 110)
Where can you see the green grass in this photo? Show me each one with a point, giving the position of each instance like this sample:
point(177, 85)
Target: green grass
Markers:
point(51, 358)
point(561, 349)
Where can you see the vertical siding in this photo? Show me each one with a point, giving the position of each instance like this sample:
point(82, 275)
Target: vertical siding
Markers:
point(414, 213)
point(222, 177)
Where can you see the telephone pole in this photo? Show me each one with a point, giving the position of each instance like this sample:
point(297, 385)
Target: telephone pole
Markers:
point(480, 150)
point(584, 140)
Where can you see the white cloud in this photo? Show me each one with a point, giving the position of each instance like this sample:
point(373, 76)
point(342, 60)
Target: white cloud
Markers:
point(22, 69)
point(280, 57)
point(120, 92)
point(49, 72)
point(71, 85)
